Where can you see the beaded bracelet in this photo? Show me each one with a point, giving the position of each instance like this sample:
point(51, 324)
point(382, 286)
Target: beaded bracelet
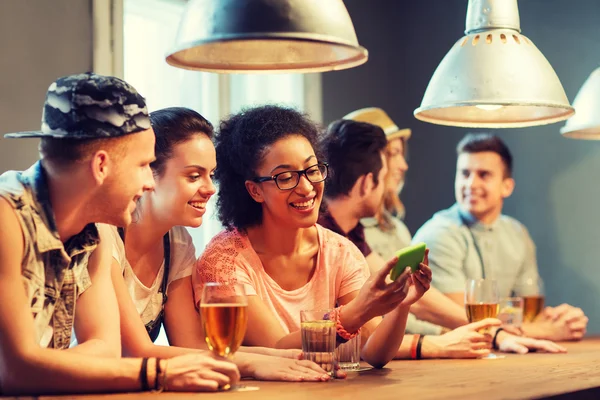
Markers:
point(339, 328)
point(341, 334)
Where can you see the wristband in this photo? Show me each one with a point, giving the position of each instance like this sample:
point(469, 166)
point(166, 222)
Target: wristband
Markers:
point(419, 345)
point(158, 387)
point(144, 374)
point(413, 346)
point(494, 343)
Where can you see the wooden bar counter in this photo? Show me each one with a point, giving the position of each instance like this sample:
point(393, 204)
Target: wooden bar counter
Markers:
point(575, 375)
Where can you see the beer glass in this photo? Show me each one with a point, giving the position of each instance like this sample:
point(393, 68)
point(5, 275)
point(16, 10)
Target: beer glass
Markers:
point(223, 309)
point(481, 301)
point(532, 292)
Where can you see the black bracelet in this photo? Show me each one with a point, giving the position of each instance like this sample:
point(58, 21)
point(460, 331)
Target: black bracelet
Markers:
point(144, 374)
point(494, 344)
point(419, 344)
point(157, 380)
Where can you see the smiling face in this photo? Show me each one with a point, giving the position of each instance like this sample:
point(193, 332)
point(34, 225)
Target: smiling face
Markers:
point(481, 184)
point(129, 179)
point(297, 207)
point(185, 186)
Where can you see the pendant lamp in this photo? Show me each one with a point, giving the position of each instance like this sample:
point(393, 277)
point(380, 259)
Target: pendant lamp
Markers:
point(494, 77)
point(586, 123)
point(266, 36)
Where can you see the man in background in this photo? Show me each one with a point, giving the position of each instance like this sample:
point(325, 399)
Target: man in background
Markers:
point(473, 239)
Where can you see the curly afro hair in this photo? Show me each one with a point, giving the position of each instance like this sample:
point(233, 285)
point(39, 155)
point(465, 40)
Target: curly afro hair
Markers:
point(241, 143)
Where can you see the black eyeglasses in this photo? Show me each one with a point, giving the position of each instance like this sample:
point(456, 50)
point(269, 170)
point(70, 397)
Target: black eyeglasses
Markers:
point(289, 179)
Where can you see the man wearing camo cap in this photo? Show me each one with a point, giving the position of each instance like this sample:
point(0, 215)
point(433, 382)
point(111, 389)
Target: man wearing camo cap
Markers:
point(96, 148)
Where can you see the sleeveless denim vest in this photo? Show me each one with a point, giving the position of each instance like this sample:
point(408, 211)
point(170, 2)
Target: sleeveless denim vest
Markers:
point(54, 274)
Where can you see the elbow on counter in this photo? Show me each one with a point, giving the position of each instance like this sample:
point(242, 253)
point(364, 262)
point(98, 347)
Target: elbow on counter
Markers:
point(376, 361)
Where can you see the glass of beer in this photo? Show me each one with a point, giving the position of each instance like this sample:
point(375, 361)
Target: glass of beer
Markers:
point(532, 291)
point(318, 338)
point(223, 310)
point(481, 301)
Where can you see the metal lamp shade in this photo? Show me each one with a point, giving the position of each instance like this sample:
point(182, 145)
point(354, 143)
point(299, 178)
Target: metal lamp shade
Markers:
point(494, 77)
point(586, 123)
point(266, 36)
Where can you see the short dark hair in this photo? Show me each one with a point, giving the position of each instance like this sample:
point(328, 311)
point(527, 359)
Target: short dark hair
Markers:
point(352, 149)
point(63, 153)
point(480, 142)
point(172, 126)
point(242, 142)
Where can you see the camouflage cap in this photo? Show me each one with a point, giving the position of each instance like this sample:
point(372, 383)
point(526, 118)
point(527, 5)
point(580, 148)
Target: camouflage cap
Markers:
point(90, 106)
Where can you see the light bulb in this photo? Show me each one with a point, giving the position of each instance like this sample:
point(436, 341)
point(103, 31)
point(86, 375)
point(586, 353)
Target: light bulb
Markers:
point(489, 107)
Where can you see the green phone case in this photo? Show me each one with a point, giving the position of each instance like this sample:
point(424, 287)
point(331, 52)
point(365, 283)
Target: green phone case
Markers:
point(410, 256)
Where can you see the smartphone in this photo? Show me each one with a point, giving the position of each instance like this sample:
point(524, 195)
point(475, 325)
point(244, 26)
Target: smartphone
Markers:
point(410, 256)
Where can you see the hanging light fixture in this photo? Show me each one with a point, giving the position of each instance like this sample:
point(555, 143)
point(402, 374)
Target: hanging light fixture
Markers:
point(586, 123)
point(266, 36)
point(494, 77)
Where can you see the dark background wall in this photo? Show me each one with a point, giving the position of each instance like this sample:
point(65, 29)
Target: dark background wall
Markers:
point(558, 191)
point(40, 40)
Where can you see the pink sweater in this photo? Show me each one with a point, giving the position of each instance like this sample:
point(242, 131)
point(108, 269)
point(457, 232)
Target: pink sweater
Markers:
point(341, 269)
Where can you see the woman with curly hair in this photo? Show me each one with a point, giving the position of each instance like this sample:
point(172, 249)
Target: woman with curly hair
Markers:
point(271, 179)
